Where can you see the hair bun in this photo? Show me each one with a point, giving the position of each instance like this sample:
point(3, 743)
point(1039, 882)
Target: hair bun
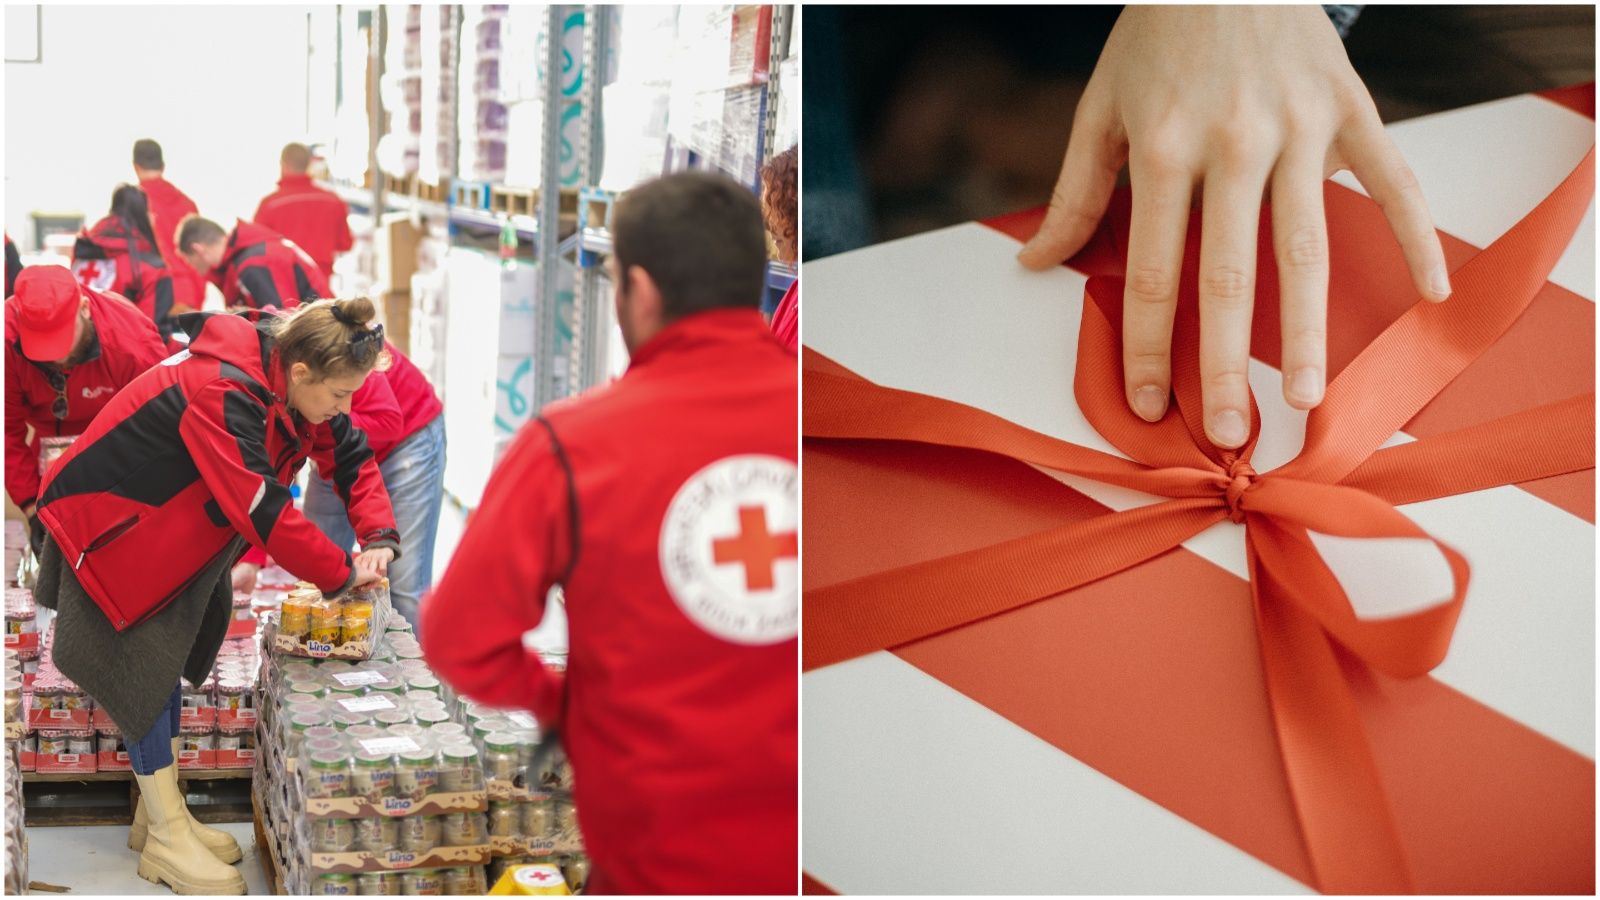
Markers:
point(355, 313)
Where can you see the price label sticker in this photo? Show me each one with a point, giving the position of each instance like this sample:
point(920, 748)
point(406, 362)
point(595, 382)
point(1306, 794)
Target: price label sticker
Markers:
point(389, 745)
point(357, 679)
point(367, 704)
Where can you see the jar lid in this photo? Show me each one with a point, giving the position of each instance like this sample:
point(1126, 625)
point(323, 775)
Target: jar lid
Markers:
point(367, 760)
point(432, 716)
point(324, 745)
point(419, 757)
point(363, 731)
point(329, 760)
point(501, 741)
point(460, 752)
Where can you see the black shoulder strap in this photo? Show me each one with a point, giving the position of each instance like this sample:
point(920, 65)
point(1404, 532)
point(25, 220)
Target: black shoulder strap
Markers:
point(572, 496)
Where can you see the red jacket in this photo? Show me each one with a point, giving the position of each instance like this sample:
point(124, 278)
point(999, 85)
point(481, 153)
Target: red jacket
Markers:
point(394, 404)
point(168, 206)
point(193, 452)
point(260, 268)
point(316, 220)
point(108, 258)
point(125, 345)
point(665, 504)
point(390, 406)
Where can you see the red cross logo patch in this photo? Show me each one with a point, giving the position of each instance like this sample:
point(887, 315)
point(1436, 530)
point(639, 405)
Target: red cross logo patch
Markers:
point(96, 274)
point(730, 549)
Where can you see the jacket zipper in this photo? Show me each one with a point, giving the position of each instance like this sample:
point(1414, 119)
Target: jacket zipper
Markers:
point(106, 537)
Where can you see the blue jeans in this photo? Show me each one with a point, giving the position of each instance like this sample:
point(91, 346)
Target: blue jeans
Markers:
point(414, 477)
point(154, 750)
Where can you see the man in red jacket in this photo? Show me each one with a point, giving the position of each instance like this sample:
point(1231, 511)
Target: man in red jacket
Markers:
point(168, 207)
point(69, 350)
point(254, 267)
point(316, 220)
point(665, 506)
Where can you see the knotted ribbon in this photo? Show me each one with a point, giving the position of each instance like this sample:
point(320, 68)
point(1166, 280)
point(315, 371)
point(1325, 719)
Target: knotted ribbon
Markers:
point(1342, 483)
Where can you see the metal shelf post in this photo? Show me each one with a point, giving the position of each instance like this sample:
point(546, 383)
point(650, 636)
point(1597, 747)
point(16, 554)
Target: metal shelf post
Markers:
point(549, 237)
point(588, 359)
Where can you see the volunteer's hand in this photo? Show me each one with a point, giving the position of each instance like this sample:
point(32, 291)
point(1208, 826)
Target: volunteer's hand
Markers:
point(1232, 103)
point(244, 578)
point(376, 561)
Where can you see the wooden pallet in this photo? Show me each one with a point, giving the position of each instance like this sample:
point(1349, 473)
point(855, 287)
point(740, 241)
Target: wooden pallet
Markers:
point(266, 847)
point(109, 798)
point(512, 201)
point(471, 194)
point(433, 193)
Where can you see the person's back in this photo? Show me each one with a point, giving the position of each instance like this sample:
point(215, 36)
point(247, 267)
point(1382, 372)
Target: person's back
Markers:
point(726, 777)
point(316, 220)
point(168, 207)
point(254, 267)
point(119, 254)
point(665, 504)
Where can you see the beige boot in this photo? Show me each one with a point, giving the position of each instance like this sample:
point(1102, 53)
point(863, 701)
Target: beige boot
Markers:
point(172, 853)
point(220, 843)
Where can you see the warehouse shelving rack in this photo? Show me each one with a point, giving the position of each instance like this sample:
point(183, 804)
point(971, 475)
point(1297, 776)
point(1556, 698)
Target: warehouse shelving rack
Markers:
point(467, 204)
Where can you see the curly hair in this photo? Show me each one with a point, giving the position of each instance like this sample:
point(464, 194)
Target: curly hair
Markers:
point(780, 201)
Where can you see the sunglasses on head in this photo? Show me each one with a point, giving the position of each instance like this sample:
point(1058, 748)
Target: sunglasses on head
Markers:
point(366, 344)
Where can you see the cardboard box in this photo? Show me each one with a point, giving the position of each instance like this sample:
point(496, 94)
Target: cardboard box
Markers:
point(395, 807)
point(396, 860)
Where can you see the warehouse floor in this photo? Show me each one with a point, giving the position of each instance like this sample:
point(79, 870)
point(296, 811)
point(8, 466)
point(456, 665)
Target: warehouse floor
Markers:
point(96, 860)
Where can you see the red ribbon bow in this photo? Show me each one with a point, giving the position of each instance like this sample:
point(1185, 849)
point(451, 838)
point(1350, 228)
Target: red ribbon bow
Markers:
point(1341, 484)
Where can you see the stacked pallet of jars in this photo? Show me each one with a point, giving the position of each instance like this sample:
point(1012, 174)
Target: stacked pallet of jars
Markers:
point(368, 783)
point(532, 817)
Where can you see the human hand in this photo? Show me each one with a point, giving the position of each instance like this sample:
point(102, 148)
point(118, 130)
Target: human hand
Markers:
point(376, 561)
point(1242, 101)
point(244, 578)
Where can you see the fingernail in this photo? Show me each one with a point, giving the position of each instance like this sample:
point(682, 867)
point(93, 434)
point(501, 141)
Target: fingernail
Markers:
point(1150, 402)
point(1305, 385)
point(1440, 283)
point(1228, 428)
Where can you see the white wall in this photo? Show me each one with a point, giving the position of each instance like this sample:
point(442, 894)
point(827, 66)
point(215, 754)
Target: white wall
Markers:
point(222, 88)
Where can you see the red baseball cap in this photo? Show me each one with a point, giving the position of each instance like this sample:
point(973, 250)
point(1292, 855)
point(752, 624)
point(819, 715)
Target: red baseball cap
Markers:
point(47, 299)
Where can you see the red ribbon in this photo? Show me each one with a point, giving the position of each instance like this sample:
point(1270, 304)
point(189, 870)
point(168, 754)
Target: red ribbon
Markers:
point(1342, 483)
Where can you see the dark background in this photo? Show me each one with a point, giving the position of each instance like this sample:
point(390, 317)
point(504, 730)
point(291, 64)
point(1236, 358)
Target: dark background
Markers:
point(922, 117)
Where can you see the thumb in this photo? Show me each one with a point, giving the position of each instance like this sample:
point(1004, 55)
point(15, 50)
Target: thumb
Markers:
point(1088, 175)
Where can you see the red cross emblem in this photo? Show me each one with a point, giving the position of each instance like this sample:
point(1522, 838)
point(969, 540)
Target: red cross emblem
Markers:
point(756, 549)
point(539, 875)
point(89, 273)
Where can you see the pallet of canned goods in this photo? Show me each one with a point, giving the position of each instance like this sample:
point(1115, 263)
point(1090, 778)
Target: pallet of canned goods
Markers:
point(349, 627)
point(531, 811)
point(366, 782)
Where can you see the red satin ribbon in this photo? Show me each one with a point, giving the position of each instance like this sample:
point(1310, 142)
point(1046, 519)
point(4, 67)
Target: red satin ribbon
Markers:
point(1342, 483)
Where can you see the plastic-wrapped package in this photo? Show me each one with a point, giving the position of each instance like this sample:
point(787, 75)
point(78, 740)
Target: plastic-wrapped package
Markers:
point(16, 872)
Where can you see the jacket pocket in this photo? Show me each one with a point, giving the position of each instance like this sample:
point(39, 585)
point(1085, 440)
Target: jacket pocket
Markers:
point(106, 537)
